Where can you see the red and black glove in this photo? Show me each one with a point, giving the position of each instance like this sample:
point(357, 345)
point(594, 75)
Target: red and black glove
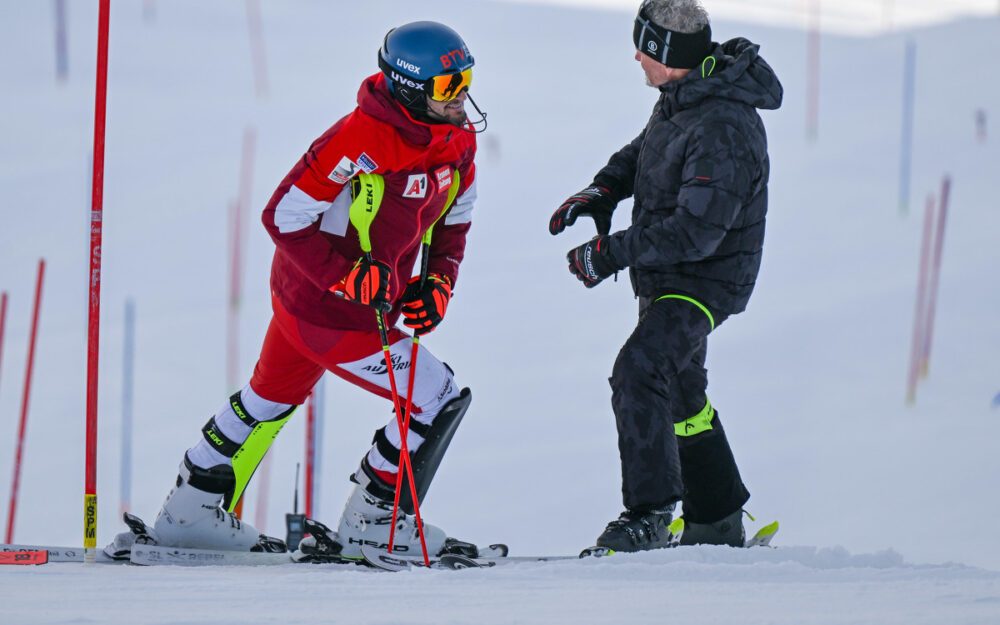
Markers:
point(594, 201)
point(591, 262)
point(424, 307)
point(367, 283)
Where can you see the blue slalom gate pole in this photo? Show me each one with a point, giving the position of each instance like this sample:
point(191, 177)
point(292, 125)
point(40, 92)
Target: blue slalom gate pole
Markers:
point(906, 147)
point(128, 378)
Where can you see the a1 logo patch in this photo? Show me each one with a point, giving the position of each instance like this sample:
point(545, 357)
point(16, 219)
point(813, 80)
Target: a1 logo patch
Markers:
point(416, 186)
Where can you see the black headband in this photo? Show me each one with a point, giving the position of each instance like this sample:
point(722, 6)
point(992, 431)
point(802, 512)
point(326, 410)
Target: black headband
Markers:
point(669, 47)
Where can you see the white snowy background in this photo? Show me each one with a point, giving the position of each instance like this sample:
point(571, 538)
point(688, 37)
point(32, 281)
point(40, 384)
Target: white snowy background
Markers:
point(889, 511)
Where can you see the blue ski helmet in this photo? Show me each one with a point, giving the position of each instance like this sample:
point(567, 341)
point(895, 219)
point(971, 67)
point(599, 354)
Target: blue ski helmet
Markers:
point(425, 58)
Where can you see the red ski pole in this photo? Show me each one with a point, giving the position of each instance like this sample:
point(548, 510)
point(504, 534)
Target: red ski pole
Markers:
point(367, 200)
point(404, 454)
point(405, 427)
point(12, 510)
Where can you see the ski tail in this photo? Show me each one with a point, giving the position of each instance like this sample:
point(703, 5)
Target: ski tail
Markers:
point(24, 557)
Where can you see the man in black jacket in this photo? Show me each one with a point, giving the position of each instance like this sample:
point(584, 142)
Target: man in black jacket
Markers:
point(698, 177)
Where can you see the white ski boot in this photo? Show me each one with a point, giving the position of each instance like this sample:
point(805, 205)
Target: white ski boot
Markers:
point(368, 519)
point(191, 518)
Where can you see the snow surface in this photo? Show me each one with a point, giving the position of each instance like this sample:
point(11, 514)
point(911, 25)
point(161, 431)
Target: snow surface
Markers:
point(810, 381)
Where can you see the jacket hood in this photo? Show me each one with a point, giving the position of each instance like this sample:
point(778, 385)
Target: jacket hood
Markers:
point(739, 74)
point(374, 99)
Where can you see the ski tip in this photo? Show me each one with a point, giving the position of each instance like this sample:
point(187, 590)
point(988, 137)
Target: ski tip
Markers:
point(497, 550)
point(596, 552)
point(676, 528)
point(764, 535)
point(457, 562)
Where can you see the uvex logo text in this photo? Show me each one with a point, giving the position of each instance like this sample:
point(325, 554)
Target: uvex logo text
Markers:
point(410, 67)
point(406, 81)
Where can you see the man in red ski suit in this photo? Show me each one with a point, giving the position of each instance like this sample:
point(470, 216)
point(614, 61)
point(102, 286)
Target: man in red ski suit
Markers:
point(407, 152)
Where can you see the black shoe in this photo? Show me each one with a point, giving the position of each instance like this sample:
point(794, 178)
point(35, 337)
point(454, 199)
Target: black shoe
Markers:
point(728, 531)
point(638, 531)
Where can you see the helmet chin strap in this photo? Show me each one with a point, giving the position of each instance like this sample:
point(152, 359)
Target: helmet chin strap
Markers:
point(423, 115)
point(479, 125)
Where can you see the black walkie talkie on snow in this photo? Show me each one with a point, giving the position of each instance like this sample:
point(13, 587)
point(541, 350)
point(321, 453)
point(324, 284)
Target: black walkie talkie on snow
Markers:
point(295, 522)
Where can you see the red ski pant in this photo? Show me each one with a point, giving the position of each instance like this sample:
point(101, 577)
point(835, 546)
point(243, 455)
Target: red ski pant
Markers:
point(296, 353)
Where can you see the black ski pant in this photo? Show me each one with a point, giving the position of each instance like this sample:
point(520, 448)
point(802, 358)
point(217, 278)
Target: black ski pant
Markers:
point(659, 380)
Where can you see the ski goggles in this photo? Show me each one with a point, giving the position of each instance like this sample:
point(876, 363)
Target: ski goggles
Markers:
point(446, 87)
point(671, 48)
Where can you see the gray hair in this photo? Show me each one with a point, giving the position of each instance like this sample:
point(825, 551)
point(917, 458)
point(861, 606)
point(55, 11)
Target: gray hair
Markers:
point(682, 16)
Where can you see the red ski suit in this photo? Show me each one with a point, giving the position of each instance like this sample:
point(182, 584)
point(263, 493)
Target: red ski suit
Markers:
point(308, 220)
point(316, 245)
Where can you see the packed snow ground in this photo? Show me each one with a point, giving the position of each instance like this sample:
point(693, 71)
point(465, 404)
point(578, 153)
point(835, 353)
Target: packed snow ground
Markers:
point(810, 381)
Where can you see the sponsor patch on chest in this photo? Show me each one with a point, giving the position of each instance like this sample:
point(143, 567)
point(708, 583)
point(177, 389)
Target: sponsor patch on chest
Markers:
point(344, 171)
point(366, 163)
point(443, 177)
point(416, 186)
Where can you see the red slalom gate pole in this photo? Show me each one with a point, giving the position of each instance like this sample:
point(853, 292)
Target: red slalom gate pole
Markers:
point(920, 312)
point(12, 510)
point(935, 276)
point(314, 449)
point(239, 210)
point(94, 313)
point(310, 451)
point(257, 53)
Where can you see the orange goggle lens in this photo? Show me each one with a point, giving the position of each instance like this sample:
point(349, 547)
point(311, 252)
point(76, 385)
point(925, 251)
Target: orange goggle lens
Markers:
point(446, 87)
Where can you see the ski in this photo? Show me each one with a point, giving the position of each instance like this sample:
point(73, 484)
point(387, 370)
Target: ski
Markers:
point(383, 560)
point(487, 558)
point(762, 538)
point(57, 554)
point(153, 555)
point(150, 555)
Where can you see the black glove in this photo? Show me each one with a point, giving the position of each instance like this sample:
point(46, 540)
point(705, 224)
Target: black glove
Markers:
point(367, 283)
point(424, 307)
point(591, 262)
point(594, 201)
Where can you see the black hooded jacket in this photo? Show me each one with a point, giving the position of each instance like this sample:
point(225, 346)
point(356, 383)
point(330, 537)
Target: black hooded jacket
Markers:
point(698, 173)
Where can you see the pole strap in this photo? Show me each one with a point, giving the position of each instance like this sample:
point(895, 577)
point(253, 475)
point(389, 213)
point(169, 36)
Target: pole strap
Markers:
point(452, 194)
point(367, 191)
